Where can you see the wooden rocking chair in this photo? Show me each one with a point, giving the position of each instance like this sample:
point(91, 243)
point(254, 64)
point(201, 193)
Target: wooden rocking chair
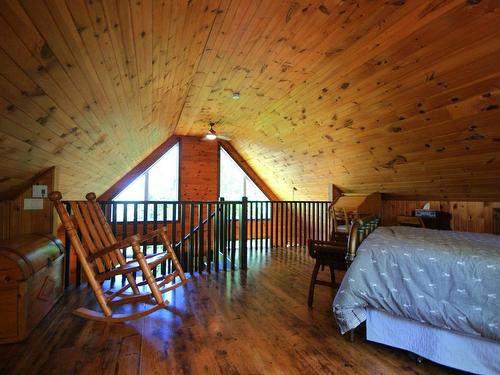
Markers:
point(100, 256)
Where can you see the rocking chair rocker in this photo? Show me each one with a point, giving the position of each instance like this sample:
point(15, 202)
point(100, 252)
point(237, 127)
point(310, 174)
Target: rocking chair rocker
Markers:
point(100, 256)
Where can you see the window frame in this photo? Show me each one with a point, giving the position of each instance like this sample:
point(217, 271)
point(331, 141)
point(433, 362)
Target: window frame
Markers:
point(146, 201)
point(246, 176)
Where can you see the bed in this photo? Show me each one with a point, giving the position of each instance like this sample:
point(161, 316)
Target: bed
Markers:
point(434, 293)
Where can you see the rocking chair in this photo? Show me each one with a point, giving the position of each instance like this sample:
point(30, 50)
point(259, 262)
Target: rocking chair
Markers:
point(100, 257)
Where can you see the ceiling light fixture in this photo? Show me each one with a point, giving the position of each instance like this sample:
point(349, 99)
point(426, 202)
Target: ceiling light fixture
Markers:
point(236, 95)
point(211, 136)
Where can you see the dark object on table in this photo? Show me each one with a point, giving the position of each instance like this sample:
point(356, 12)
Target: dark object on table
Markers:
point(434, 219)
point(410, 221)
point(31, 282)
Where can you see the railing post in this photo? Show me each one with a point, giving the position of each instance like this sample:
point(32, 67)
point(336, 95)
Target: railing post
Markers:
point(222, 235)
point(243, 233)
point(67, 253)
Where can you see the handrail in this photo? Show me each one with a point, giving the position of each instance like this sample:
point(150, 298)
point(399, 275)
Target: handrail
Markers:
point(195, 230)
point(214, 235)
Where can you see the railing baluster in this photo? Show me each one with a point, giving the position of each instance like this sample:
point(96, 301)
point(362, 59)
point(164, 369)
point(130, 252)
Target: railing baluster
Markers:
point(182, 248)
point(217, 231)
point(243, 233)
point(163, 267)
point(145, 207)
point(325, 228)
point(317, 219)
point(67, 253)
point(174, 235)
point(201, 238)
point(282, 225)
point(271, 220)
point(191, 239)
point(155, 226)
point(124, 232)
point(287, 223)
point(209, 237)
point(233, 236)
point(225, 216)
point(296, 228)
point(261, 231)
point(320, 219)
point(300, 224)
point(312, 221)
point(277, 224)
point(251, 214)
point(266, 226)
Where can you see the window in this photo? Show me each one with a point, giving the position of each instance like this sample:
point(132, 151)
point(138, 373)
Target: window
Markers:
point(159, 183)
point(235, 184)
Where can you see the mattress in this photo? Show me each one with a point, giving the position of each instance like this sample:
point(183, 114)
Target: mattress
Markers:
point(449, 280)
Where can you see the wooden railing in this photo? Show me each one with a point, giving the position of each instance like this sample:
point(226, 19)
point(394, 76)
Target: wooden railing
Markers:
point(216, 235)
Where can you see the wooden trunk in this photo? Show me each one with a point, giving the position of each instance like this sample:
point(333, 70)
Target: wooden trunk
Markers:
point(31, 282)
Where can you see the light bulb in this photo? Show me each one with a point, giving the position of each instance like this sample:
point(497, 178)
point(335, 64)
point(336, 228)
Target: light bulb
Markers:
point(211, 136)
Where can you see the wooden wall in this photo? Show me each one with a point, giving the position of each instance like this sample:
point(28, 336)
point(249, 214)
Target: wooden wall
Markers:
point(199, 169)
point(15, 220)
point(468, 216)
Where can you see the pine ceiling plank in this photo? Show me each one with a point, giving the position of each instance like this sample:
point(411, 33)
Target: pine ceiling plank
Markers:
point(400, 97)
point(52, 56)
point(67, 115)
point(224, 33)
point(46, 76)
point(49, 118)
point(142, 31)
point(84, 41)
point(213, 17)
point(109, 17)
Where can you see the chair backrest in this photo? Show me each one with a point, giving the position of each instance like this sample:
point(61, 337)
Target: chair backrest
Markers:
point(96, 234)
point(338, 217)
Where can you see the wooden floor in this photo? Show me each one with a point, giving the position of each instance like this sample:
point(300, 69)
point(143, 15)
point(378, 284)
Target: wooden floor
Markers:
point(236, 323)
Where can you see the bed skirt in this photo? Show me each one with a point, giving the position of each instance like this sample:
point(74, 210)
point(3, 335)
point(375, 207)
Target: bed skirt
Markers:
point(449, 348)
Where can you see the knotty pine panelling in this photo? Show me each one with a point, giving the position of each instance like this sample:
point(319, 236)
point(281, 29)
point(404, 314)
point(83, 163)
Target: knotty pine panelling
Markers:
point(199, 165)
point(467, 216)
point(15, 220)
point(394, 96)
point(375, 97)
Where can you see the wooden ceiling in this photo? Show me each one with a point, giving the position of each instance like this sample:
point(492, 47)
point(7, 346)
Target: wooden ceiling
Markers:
point(396, 96)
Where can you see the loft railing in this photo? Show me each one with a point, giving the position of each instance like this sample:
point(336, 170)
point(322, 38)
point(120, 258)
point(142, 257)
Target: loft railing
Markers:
point(212, 236)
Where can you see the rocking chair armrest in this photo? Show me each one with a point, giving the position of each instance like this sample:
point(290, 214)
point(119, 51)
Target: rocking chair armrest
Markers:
point(126, 242)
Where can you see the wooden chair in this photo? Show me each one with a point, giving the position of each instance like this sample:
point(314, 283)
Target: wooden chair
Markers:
point(341, 224)
point(100, 256)
point(338, 255)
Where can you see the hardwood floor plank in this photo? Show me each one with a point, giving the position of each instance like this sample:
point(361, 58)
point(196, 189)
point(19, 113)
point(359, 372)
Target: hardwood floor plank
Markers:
point(253, 322)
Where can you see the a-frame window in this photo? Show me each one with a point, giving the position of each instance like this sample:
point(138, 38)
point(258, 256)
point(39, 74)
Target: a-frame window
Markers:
point(234, 183)
point(160, 182)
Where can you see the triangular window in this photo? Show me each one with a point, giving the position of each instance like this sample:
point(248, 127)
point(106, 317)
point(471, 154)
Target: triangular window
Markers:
point(160, 182)
point(235, 183)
